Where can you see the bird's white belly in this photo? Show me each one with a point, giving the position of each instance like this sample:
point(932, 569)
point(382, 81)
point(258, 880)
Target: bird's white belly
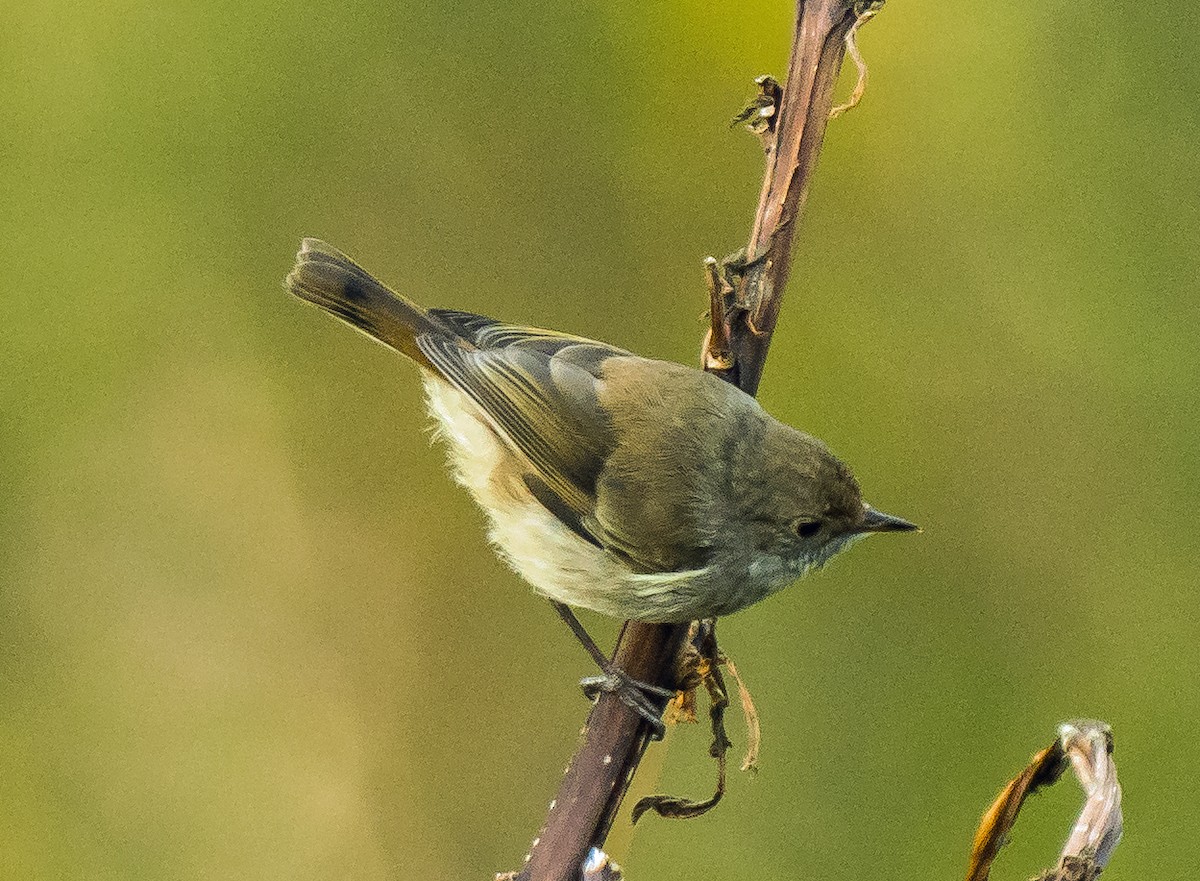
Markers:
point(538, 546)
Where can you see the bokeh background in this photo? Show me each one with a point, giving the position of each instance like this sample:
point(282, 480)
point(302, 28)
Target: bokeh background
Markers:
point(249, 629)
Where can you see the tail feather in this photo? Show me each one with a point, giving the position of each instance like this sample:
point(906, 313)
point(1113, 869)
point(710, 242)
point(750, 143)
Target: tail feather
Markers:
point(326, 277)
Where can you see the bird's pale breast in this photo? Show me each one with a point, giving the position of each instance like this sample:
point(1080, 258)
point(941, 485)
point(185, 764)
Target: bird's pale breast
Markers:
point(538, 546)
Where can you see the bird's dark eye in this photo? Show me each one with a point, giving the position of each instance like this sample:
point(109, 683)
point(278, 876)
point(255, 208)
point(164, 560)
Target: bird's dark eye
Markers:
point(808, 528)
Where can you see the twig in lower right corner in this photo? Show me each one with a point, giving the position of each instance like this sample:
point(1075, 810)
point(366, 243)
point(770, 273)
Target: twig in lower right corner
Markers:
point(1087, 747)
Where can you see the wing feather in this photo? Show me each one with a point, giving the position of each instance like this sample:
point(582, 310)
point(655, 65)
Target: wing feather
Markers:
point(546, 406)
point(540, 390)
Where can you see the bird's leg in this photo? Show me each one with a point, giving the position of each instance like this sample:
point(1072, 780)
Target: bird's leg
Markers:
point(643, 698)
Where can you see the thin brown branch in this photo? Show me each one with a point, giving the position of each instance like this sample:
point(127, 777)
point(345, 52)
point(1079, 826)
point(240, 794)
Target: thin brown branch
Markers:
point(744, 318)
point(743, 325)
point(614, 740)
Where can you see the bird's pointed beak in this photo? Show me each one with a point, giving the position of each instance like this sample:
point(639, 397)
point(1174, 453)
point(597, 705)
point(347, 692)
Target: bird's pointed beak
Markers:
point(877, 521)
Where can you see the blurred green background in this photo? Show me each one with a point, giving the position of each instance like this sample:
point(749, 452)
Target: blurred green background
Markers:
point(248, 627)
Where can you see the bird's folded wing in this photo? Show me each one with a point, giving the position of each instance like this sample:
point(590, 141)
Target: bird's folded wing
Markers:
point(539, 390)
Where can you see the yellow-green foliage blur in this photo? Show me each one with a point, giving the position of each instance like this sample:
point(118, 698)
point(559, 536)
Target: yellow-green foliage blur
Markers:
point(249, 628)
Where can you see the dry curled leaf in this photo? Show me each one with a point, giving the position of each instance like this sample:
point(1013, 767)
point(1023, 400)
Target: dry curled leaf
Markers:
point(750, 713)
point(699, 663)
point(1047, 766)
point(1085, 746)
point(864, 11)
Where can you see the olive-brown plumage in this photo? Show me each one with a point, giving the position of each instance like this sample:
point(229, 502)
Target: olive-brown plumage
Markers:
point(635, 487)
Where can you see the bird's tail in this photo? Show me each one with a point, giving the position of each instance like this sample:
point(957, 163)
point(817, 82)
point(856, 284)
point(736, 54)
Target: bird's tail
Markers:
point(326, 277)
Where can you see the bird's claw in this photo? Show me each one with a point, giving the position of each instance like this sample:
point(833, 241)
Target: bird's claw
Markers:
point(637, 695)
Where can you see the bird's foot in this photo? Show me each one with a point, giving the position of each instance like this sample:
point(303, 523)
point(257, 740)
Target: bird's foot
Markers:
point(643, 698)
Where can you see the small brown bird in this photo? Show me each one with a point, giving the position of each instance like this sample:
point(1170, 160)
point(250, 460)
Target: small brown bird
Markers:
point(634, 487)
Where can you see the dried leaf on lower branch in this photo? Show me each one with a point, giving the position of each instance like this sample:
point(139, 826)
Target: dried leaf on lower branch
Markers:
point(700, 663)
point(674, 807)
point(750, 713)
